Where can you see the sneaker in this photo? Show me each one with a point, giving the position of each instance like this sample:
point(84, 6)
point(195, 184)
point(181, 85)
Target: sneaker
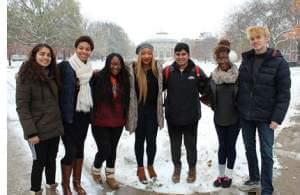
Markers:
point(218, 181)
point(226, 182)
point(249, 186)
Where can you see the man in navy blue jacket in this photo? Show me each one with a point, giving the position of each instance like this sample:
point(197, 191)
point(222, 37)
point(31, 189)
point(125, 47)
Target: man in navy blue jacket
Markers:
point(263, 100)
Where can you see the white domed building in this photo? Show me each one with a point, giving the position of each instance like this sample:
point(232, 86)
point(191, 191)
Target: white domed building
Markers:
point(163, 45)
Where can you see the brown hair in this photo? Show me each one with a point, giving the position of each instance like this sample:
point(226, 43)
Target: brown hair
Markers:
point(30, 69)
point(223, 46)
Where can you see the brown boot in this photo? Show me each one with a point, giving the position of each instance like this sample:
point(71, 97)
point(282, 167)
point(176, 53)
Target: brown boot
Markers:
point(191, 175)
point(52, 189)
point(151, 172)
point(110, 179)
point(77, 169)
point(176, 174)
point(66, 171)
point(141, 175)
point(96, 173)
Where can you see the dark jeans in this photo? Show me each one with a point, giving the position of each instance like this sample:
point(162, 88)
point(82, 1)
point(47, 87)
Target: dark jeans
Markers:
point(227, 136)
point(266, 139)
point(107, 139)
point(45, 156)
point(74, 137)
point(189, 132)
point(147, 128)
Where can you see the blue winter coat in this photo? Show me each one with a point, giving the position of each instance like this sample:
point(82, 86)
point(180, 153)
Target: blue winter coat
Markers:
point(264, 95)
point(68, 92)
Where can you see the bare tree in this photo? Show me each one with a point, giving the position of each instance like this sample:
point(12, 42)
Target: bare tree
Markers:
point(56, 22)
point(274, 14)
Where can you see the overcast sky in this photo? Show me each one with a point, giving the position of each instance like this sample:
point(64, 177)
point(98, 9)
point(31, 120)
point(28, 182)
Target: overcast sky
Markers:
point(142, 19)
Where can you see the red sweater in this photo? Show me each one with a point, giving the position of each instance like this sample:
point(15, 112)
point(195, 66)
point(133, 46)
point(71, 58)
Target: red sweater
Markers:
point(111, 115)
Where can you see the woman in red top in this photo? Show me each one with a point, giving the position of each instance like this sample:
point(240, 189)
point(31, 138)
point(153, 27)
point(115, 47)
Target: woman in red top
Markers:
point(111, 101)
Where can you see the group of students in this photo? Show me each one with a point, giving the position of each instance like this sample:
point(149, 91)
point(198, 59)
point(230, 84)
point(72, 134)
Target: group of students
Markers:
point(61, 100)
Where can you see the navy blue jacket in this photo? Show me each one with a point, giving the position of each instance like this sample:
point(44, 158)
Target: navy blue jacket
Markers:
point(68, 91)
point(264, 95)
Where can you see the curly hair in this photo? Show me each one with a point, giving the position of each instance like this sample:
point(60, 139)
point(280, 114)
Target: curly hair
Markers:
point(84, 38)
point(223, 46)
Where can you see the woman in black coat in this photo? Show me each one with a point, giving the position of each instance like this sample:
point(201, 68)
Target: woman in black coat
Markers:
point(222, 99)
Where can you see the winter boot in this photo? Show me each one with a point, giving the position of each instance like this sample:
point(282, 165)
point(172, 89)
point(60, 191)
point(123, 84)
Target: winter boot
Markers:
point(96, 173)
point(36, 193)
point(176, 174)
point(77, 170)
point(52, 189)
point(141, 175)
point(191, 175)
point(110, 178)
point(151, 172)
point(66, 171)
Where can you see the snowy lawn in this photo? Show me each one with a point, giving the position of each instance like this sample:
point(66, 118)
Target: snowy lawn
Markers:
point(207, 165)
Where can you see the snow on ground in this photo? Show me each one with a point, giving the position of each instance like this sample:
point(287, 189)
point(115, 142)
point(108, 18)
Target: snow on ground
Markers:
point(207, 165)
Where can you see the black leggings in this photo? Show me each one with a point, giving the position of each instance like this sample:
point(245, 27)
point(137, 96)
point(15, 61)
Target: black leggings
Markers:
point(74, 137)
point(44, 154)
point(147, 128)
point(107, 139)
point(227, 136)
point(189, 133)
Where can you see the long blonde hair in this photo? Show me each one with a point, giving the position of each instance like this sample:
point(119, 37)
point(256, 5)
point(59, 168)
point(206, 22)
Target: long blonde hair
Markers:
point(141, 76)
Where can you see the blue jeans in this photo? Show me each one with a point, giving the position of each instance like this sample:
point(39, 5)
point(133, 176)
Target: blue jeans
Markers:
point(266, 139)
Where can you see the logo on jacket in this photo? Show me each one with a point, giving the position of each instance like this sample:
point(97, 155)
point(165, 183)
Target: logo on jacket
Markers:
point(191, 77)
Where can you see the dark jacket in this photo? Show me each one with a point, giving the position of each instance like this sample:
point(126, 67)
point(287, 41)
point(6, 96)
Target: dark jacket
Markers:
point(68, 91)
point(264, 95)
point(38, 108)
point(182, 102)
point(104, 114)
point(223, 101)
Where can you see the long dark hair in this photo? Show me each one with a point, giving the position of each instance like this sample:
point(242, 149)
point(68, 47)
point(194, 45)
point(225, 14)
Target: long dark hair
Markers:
point(30, 69)
point(103, 87)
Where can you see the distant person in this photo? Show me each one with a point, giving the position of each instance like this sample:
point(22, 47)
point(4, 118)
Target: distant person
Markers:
point(183, 81)
point(39, 114)
point(76, 104)
point(263, 100)
point(146, 107)
point(222, 98)
point(111, 89)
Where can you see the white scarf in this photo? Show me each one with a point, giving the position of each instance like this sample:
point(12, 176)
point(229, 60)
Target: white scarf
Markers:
point(83, 73)
point(230, 76)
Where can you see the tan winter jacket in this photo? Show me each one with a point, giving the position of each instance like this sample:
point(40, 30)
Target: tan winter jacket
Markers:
point(131, 123)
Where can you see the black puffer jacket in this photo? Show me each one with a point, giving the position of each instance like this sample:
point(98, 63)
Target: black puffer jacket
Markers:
point(264, 95)
point(182, 105)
